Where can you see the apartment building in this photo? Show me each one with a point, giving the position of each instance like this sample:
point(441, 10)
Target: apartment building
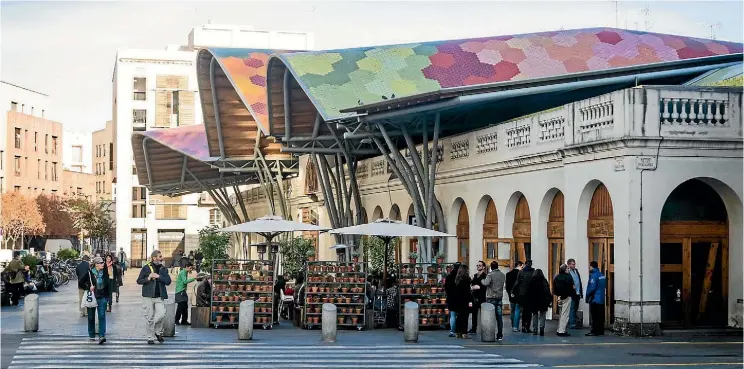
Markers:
point(78, 184)
point(155, 89)
point(104, 162)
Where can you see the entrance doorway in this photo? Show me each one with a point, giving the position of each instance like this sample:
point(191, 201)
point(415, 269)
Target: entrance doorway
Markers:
point(556, 247)
point(601, 235)
point(522, 232)
point(463, 235)
point(694, 258)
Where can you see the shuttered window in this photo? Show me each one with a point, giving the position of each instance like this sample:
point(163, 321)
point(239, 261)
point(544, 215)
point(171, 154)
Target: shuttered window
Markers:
point(174, 103)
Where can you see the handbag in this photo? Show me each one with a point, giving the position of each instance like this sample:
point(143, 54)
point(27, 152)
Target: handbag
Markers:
point(182, 296)
point(89, 298)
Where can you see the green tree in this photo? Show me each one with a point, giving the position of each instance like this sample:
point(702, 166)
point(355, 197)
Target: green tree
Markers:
point(94, 219)
point(213, 244)
point(67, 254)
point(294, 254)
point(31, 261)
point(375, 249)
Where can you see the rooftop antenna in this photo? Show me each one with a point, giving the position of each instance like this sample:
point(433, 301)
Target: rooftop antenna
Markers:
point(713, 27)
point(617, 22)
point(646, 22)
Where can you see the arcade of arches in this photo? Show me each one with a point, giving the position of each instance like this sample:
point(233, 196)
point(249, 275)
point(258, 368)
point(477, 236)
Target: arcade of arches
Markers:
point(693, 269)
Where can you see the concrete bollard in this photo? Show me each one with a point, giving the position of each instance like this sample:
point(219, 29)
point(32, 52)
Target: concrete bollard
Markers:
point(169, 322)
point(31, 313)
point(487, 324)
point(245, 320)
point(329, 322)
point(411, 322)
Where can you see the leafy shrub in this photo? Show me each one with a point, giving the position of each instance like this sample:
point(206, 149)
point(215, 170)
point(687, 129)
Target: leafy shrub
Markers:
point(68, 254)
point(295, 252)
point(31, 261)
point(375, 249)
point(213, 244)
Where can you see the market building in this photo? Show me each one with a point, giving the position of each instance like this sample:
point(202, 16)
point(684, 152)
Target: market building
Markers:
point(606, 145)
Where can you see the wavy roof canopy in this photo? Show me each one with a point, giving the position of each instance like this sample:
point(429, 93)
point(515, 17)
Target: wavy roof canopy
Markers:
point(338, 79)
point(169, 153)
point(239, 85)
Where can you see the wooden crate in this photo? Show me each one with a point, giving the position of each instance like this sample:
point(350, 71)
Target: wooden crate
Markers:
point(200, 317)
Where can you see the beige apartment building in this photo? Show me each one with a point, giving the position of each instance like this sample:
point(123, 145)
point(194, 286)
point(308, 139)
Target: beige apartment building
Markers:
point(78, 183)
point(104, 162)
point(33, 156)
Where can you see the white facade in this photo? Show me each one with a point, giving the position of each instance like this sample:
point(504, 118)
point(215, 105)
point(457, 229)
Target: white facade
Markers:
point(174, 61)
point(640, 143)
point(77, 152)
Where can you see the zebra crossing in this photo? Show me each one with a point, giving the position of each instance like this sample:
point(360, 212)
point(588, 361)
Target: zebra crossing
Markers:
point(76, 352)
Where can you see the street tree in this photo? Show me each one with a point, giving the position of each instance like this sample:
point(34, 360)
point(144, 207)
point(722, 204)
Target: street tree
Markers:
point(56, 215)
point(94, 220)
point(21, 217)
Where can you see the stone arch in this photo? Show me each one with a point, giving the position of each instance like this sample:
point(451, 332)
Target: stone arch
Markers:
point(395, 212)
point(377, 213)
point(600, 235)
point(694, 253)
point(551, 231)
point(487, 218)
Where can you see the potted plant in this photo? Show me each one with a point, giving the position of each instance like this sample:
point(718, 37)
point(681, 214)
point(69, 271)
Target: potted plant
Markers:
point(345, 288)
point(232, 318)
point(311, 255)
point(412, 257)
point(341, 320)
point(219, 318)
point(354, 320)
point(440, 258)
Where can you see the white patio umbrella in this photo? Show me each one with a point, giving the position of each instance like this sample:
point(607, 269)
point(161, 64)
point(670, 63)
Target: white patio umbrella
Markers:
point(270, 227)
point(387, 229)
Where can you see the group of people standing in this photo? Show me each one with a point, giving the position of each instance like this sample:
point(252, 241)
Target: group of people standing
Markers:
point(530, 296)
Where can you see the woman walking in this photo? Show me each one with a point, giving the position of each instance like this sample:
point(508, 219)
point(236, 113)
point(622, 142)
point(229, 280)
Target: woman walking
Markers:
point(539, 299)
point(463, 301)
point(112, 271)
point(119, 279)
point(449, 289)
point(96, 281)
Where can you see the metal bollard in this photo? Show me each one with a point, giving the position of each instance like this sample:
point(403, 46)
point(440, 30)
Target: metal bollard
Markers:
point(169, 322)
point(31, 313)
point(487, 324)
point(411, 322)
point(329, 322)
point(245, 320)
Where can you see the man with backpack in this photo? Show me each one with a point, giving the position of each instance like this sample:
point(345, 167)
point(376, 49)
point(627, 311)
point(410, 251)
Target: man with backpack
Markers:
point(154, 279)
point(15, 275)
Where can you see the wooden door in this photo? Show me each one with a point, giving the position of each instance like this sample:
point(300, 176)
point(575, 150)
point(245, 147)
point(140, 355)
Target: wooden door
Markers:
point(522, 231)
point(463, 235)
point(556, 255)
point(602, 251)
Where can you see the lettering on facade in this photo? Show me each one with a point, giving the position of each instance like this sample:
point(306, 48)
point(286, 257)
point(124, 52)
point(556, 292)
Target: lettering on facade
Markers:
point(522, 230)
point(646, 162)
point(555, 230)
point(619, 164)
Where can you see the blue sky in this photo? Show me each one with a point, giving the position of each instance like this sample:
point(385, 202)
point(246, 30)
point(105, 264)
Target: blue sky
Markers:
point(67, 49)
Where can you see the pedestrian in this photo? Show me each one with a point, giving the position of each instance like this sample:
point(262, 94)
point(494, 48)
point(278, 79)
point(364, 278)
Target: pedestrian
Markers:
point(123, 262)
point(191, 256)
point(198, 257)
point(463, 297)
point(539, 300)
point(17, 279)
point(479, 294)
point(96, 281)
point(514, 309)
point(595, 297)
point(576, 299)
point(204, 291)
point(563, 287)
point(154, 279)
point(392, 308)
point(494, 283)
point(520, 293)
point(182, 297)
point(119, 279)
point(176, 264)
point(279, 286)
point(449, 289)
point(81, 271)
point(113, 273)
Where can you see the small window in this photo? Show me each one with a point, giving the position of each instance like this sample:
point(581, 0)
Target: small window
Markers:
point(215, 217)
point(54, 172)
point(140, 89)
point(17, 166)
point(17, 138)
point(13, 106)
point(46, 144)
point(36, 138)
point(54, 145)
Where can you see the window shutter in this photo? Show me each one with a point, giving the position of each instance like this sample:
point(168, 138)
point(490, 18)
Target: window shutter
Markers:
point(162, 111)
point(186, 108)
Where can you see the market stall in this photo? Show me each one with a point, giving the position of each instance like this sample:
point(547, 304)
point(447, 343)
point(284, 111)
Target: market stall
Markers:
point(423, 283)
point(235, 281)
point(339, 283)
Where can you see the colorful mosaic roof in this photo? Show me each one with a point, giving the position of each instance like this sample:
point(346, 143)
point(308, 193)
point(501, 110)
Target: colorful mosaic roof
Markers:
point(246, 69)
point(339, 79)
point(731, 76)
point(189, 140)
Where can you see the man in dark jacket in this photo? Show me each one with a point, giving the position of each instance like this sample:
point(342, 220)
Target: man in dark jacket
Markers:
point(520, 292)
point(514, 309)
point(154, 280)
point(449, 289)
point(82, 270)
point(595, 297)
point(563, 287)
point(204, 290)
point(576, 299)
point(198, 257)
point(494, 283)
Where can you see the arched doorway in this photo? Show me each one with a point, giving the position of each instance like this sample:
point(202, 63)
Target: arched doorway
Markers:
point(601, 235)
point(522, 231)
point(556, 247)
point(377, 213)
point(694, 257)
point(491, 235)
point(463, 235)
